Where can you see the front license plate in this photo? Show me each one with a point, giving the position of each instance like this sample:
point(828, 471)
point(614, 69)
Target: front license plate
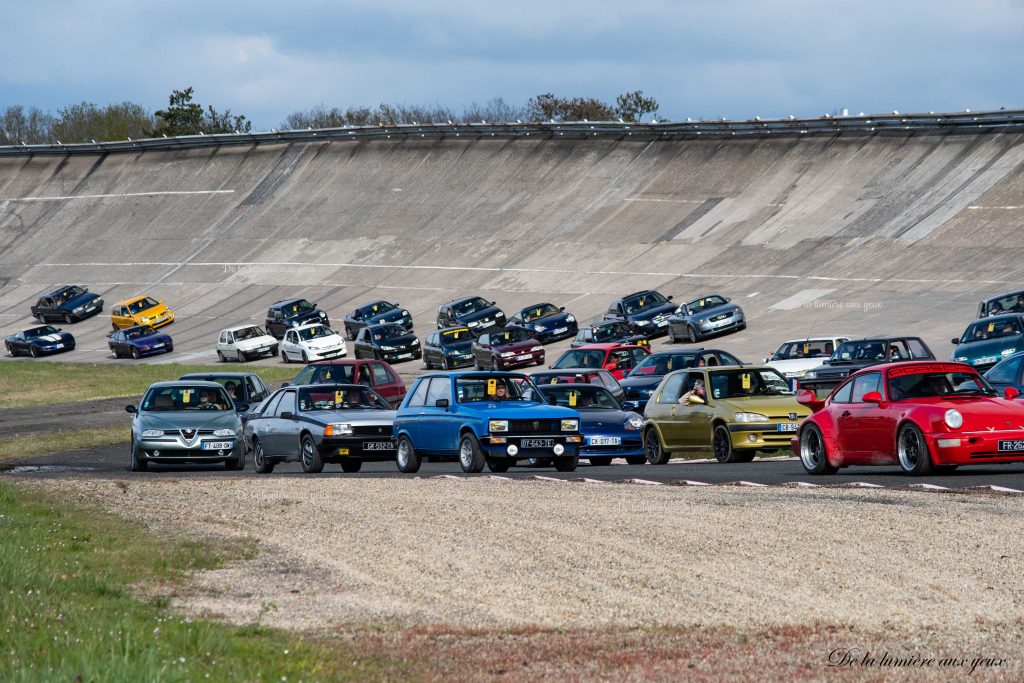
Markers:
point(404, 355)
point(378, 445)
point(788, 427)
point(536, 443)
point(986, 360)
point(342, 451)
point(525, 356)
point(263, 349)
point(663, 323)
point(158, 346)
point(217, 446)
point(1011, 446)
point(604, 440)
point(560, 330)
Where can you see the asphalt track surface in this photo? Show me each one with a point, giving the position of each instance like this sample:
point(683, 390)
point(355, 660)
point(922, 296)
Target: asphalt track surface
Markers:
point(112, 462)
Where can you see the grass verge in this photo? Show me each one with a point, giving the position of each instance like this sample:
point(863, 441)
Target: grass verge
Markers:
point(56, 442)
point(68, 612)
point(34, 382)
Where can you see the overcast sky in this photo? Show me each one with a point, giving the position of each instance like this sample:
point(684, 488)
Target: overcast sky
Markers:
point(698, 58)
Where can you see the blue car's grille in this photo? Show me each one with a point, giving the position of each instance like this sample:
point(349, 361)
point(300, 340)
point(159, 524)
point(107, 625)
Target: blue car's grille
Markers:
point(534, 426)
point(721, 316)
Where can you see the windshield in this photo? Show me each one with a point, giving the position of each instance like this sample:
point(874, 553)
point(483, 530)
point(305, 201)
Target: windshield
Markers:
point(539, 311)
point(68, 294)
point(139, 332)
point(664, 363)
point(870, 349)
point(812, 348)
point(376, 308)
point(41, 331)
point(298, 308)
point(510, 335)
point(929, 384)
point(142, 305)
point(580, 397)
point(1011, 303)
point(186, 397)
point(471, 306)
point(252, 332)
point(701, 305)
point(328, 374)
point(340, 397)
point(991, 329)
point(580, 358)
point(611, 332)
point(744, 383)
point(640, 302)
point(568, 378)
point(459, 336)
point(385, 332)
point(477, 388)
point(233, 385)
point(314, 332)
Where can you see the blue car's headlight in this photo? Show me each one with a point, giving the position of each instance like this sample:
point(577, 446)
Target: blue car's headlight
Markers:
point(570, 425)
point(634, 422)
point(497, 426)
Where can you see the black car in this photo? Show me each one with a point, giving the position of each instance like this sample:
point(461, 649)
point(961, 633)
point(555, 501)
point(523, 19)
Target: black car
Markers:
point(857, 354)
point(597, 376)
point(549, 323)
point(390, 342)
point(474, 312)
point(39, 341)
point(609, 332)
point(290, 313)
point(69, 303)
point(448, 349)
point(642, 380)
point(375, 313)
point(346, 424)
point(645, 312)
point(245, 389)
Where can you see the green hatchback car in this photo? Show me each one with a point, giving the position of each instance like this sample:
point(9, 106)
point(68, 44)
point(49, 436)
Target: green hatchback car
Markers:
point(732, 411)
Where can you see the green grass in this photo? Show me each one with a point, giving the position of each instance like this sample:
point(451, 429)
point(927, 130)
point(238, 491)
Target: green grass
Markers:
point(56, 442)
point(35, 382)
point(68, 611)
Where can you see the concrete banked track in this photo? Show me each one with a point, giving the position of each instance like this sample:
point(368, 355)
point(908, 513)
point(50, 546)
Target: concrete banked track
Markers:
point(857, 234)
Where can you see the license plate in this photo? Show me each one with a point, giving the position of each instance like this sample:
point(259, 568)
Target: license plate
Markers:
point(378, 445)
point(536, 443)
point(158, 346)
point(986, 360)
point(788, 427)
point(1010, 446)
point(404, 355)
point(604, 440)
point(560, 330)
point(663, 323)
point(525, 356)
point(217, 446)
point(263, 349)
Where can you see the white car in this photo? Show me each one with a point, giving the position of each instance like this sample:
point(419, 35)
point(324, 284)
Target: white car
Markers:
point(796, 356)
point(312, 342)
point(245, 343)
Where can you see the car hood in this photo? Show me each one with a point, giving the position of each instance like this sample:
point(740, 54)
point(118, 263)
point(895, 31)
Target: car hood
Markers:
point(80, 300)
point(797, 364)
point(59, 337)
point(394, 315)
point(604, 421)
point(354, 417)
point(154, 312)
point(490, 312)
point(190, 419)
point(553, 320)
point(988, 348)
point(717, 310)
point(653, 311)
point(265, 340)
point(459, 346)
point(329, 341)
point(314, 316)
point(402, 341)
point(845, 368)
point(515, 346)
point(150, 340)
point(767, 405)
point(641, 382)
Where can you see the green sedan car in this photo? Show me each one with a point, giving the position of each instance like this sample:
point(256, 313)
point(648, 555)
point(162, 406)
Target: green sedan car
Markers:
point(732, 411)
point(186, 422)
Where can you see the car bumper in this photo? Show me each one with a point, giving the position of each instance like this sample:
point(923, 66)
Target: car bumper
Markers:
point(558, 333)
point(763, 435)
point(171, 451)
point(398, 356)
point(525, 447)
point(155, 351)
point(520, 360)
point(733, 324)
point(630, 445)
point(52, 351)
point(460, 362)
point(253, 353)
point(973, 448)
point(368, 448)
point(160, 322)
point(87, 313)
point(326, 355)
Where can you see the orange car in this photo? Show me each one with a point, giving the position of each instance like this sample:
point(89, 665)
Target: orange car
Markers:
point(140, 310)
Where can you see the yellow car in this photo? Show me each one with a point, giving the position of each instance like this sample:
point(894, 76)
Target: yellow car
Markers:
point(732, 411)
point(140, 310)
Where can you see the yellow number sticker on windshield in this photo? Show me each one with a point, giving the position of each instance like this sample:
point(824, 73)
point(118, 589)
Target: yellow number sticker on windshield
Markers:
point(641, 303)
point(807, 348)
point(572, 399)
point(745, 379)
point(328, 375)
point(492, 386)
point(701, 304)
point(186, 395)
point(669, 366)
point(991, 327)
point(375, 308)
point(339, 396)
point(506, 335)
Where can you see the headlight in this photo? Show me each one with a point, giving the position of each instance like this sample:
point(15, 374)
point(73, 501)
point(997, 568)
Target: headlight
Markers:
point(224, 432)
point(415, 340)
point(954, 419)
point(961, 358)
point(152, 433)
point(475, 323)
point(499, 314)
point(570, 318)
point(570, 425)
point(338, 429)
point(642, 322)
point(294, 323)
point(797, 373)
point(634, 422)
point(405, 314)
point(751, 417)
point(810, 374)
point(1006, 352)
point(497, 425)
point(98, 302)
point(537, 348)
point(144, 321)
point(508, 354)
point(539, 328)
point(78, 308)
point(387, 348)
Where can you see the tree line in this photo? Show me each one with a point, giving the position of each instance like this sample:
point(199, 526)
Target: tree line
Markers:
point(89, 122)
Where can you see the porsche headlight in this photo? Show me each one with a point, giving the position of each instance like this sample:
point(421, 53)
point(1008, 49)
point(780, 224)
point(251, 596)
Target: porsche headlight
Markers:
point(152, 433)
point(539, 328)
point(634, 422)
point(224, 432)
point(497, 426)
point(570, 425)
point(751, 417)
point(953, 418)
point(338, 429)
point(570, 318)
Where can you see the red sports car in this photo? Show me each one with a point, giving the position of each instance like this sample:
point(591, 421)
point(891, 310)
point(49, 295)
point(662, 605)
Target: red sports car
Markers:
point(924, 416)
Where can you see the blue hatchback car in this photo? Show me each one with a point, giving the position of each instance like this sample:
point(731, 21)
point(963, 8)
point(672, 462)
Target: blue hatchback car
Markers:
point(492, 418)
point(609, 431)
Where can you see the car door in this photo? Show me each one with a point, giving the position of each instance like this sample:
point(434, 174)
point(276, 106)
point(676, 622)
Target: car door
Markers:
point(290, 345)
point(46, 308)
point(117, 317)
point(413, 419)
point(224, 344)
point(694, 419)
point(664, 410)
point(725, 358)
point(862, 425)
point(386, 382)
point(113, 342)
point(361, 343)
point(286, 432)
point(482, 351)
point(435, 421)
point(263, 426)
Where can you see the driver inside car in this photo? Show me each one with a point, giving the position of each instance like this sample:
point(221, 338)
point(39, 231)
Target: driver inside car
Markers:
point(697, 390)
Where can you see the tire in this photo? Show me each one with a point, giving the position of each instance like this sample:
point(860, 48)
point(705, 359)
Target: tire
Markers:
point(654, 453)
point(235, 464)
point(309, 455)
point(351, 465)
point(567, 464)
point(471, 457)
point(137, 464)
point(221, 357)
point(260, 460)
point(41, 318)
point(636, 460)
point(671, 334)
point(68, 320)
point(135, 353)
point(692, 335)
point(10, 350)
point(445, 364)
point(601, 461)
point(406, 457)
point(912, 451)
point(349, 334)
point(721, 444)
point(499, 464)
point(114, 353)
point(284, 357)
point(305, 358)
point(33, 351)
point(476, 365)
point(114, 326)
point(241, 357)
point(813, 454)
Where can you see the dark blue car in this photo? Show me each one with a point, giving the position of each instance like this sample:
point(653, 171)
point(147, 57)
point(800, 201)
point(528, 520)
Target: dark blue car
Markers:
point(69, 303)
point(1008, 373)
point(492, 418)
point(547, 322)
point(139, 341)
point(39, 341)
point(376, 313)
point(642, 380)
point(608, 430)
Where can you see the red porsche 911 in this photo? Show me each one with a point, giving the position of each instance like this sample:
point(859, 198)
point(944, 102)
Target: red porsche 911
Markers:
point(925, 416)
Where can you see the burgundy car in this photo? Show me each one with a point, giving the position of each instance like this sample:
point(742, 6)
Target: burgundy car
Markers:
point(377, 374)
point(508, 348)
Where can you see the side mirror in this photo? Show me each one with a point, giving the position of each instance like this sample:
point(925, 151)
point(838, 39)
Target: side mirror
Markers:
point(631, 405)
point(285, 384)
point(242, 407)
point(670, 297)
point(85, 289)
point(807, 397)
point(954, 340)
point(1011, 393)
point(287, 415)
point(561, 308)
point(441, 403)
point(873, 397)
point(765, 360)
point(552, 400)
point(131, 409)
point(694, 399)
point(727, 299)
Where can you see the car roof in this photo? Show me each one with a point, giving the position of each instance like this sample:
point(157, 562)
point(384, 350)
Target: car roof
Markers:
point(606, 346)
point(57, 290)
point(372, 303)
point(181, 383)
point(465, 298)
point(285, 302)
point(883, 338)
point(818, 338)
point(642, 291)
point(231, 375)
point(342, 361)
point(996, 318)
point(666, 352)
point(1018, 292)
point(470, 373)
point(309, 325)
point(239, 327)
point(132, 300)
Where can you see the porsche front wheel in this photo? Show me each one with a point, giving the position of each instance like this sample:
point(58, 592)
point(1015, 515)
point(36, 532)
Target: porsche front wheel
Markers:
point(813, 455)
point(912, 451)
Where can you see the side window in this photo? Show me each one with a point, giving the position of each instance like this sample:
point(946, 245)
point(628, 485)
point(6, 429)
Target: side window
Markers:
point(843, 395)
point(432, 339)
point(1006, 372)
point(638, 355)
point(293, 337)
point(270, 313)
point(865, 384)
point(287, 403)
point(364, 376)
point(484, 340)
point(251, 390)
point(671, 391)
point(728, 359)
point(380, 374)
point(440, 387)
point(581, 335)
point(419, 394)
point(118, 336)
point(898, 351)
point(363, 335)
point(271, 408)
point(918, 349)
point(605, 378)
point(304, 375)
point(622, 359)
